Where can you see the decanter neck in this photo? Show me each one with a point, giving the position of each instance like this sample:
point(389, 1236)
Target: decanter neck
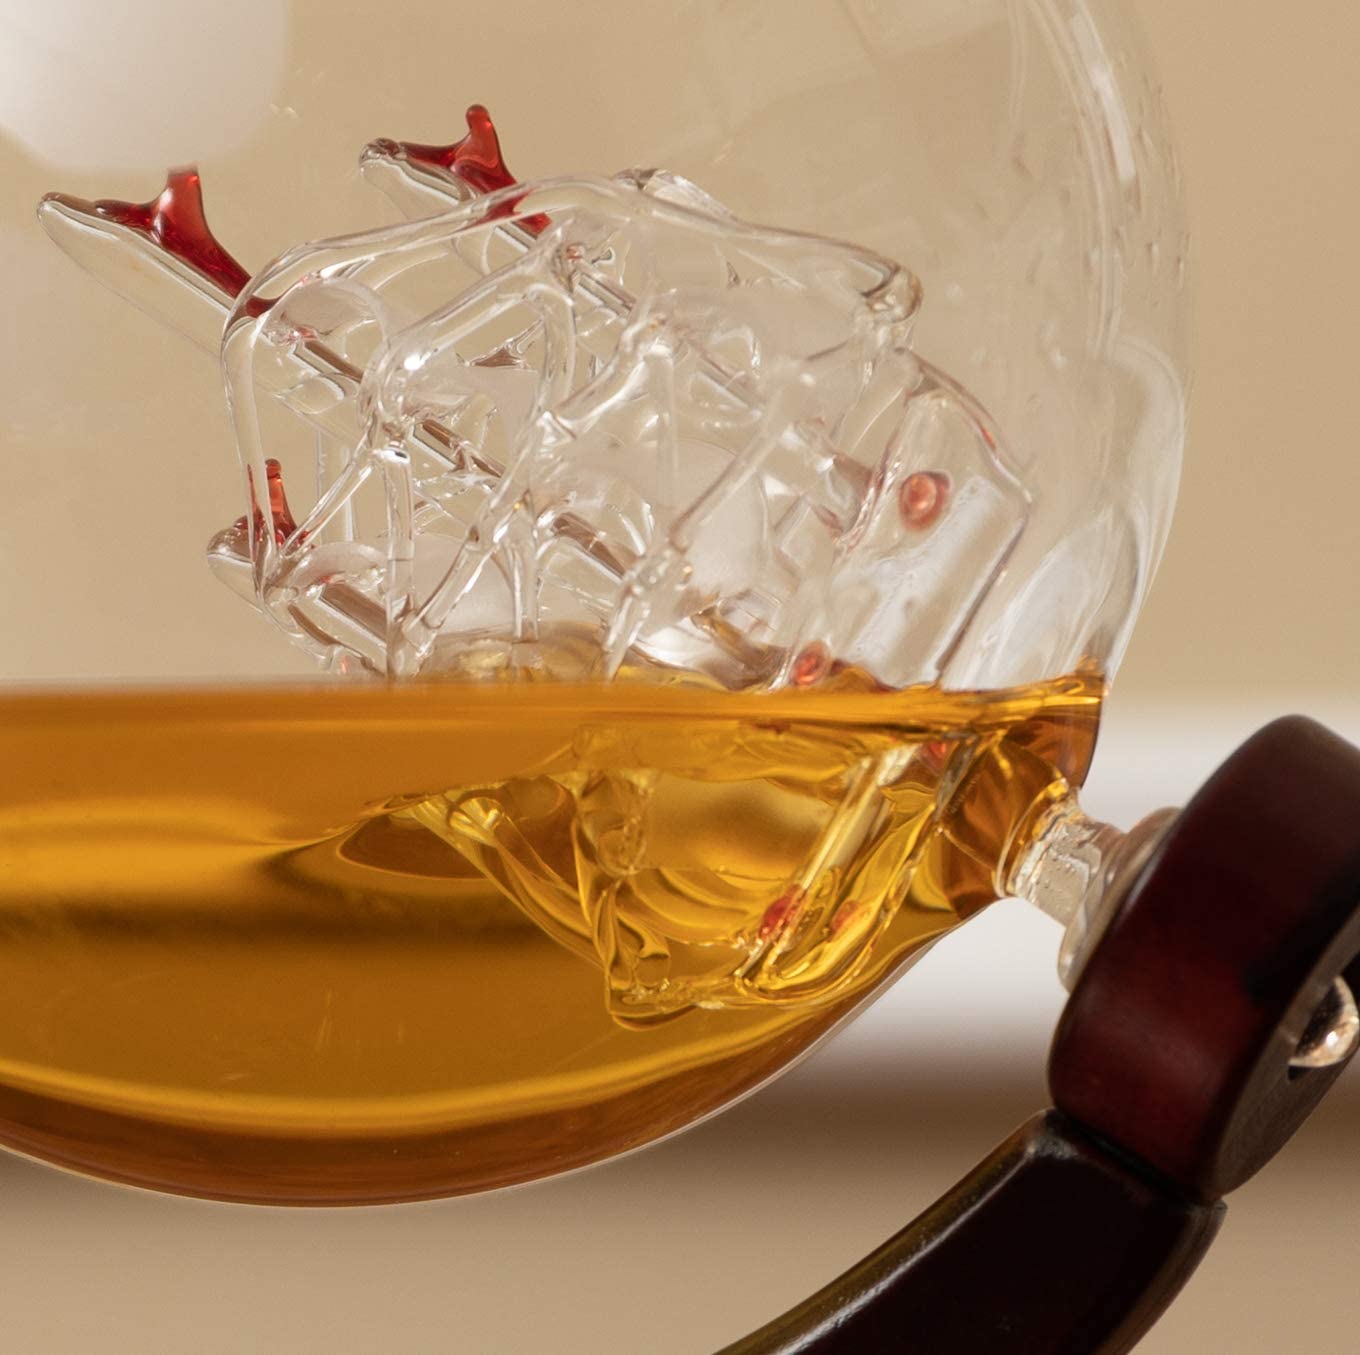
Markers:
point(1077, 870)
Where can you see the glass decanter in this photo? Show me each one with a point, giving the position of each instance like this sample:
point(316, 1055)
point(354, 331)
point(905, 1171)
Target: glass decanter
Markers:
point(720, 542)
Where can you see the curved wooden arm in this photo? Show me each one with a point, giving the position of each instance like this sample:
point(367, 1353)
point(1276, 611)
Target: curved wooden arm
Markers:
point(1051, 1246)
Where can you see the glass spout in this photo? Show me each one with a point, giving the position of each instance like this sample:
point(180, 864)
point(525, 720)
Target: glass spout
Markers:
point(1078, 870)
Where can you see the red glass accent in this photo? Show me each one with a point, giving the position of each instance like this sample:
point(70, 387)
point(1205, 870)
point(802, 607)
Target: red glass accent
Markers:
point(922, 498)
point(476, 160)
point(778, 914)
point(844, 916)
point(812, 665)
point(175, 221)
point(935, 753)
point(284, 523)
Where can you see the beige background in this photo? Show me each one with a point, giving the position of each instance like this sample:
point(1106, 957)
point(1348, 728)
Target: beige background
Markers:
point(688, 1245)
point(1260, 587)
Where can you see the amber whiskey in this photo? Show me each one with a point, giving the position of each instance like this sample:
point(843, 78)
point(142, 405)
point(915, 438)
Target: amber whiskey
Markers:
point(358, 944)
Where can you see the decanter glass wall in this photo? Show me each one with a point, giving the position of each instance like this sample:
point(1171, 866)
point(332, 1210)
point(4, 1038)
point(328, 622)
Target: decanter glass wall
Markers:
point(1010, 153)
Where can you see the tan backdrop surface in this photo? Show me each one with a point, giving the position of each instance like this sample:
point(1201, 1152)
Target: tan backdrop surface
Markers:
point(1260, 587)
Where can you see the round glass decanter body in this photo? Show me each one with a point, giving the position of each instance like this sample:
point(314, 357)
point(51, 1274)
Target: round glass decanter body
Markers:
point(723, 538)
